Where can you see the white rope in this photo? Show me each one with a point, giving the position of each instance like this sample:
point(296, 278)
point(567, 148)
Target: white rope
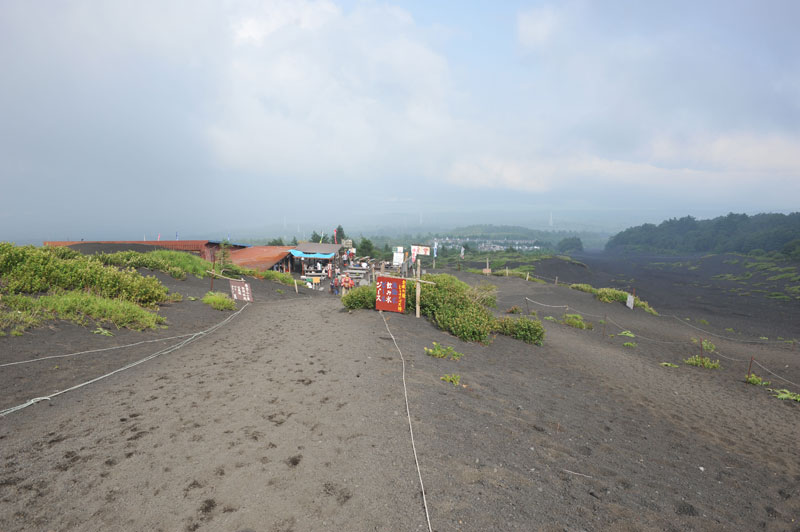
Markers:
point(640, 336)
point(549, 306)
point(775, 374)
point(165, 351)
point(728, 337)
point(410, 428)
point(95, 350)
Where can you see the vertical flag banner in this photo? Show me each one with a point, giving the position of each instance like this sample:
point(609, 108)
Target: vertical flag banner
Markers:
point(462, 252)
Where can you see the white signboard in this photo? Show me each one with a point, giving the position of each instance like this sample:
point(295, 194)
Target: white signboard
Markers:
point(398, 249)
point(420, 250)
point(397, 258)
point(630, 302)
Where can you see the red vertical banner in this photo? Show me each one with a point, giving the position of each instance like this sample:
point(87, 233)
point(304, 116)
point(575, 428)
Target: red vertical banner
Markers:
point(390, 294)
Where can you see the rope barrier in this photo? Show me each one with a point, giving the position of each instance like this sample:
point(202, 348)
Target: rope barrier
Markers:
point(410, 428)
point(764, 342)
point(164, 351)
point(94, 350)
point(638, 336)
point(775, 374)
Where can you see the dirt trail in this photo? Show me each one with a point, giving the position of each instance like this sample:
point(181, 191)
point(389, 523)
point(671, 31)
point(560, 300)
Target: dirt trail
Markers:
point(289, 418)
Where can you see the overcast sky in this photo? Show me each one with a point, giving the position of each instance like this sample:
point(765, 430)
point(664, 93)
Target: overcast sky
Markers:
point(127, 119)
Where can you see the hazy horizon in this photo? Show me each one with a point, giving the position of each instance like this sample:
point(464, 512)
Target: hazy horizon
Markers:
point(123, 121)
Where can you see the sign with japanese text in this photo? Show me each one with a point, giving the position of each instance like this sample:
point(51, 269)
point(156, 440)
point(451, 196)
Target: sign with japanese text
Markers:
point(241, 290)
point(390, 294)
point(630, 302)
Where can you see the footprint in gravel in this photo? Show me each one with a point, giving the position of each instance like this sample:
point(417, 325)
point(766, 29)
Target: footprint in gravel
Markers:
point(342, 494)
point(684, 508)
point(293, 461)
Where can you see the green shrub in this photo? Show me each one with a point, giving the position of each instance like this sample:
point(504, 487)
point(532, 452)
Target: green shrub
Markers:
point(360, 297)
point(523, 328)
point(626, 333)
point(219, 301)
point(454, 306)
point(629, 344)
point(31, 270)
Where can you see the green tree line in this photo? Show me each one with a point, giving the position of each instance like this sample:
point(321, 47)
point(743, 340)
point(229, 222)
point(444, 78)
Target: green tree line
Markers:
point(738, 233)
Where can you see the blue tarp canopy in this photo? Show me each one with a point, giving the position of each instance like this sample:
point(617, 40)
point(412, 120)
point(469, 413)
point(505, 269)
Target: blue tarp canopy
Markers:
point(296, 253)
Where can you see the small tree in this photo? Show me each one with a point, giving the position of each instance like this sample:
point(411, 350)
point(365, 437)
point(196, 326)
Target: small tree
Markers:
point(340, 233)
point(294, 241)
point(366, 247)
point(572, 243)
point(276, 242)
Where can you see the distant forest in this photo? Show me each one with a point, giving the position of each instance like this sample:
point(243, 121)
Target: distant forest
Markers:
point(732, 233)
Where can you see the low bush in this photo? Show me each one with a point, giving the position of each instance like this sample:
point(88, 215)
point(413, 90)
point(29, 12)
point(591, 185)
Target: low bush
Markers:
point(30, 270)
point(219, 301)
point(360, 297)
point(523, 328)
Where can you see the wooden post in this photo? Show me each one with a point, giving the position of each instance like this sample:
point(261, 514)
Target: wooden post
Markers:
point(418, 284)
point(213, 269)
point(527, 275)
point(749, 368)
point(556, 280)
point(605, 319)
point(701, 348)
point(296, 291)
point(506, 271)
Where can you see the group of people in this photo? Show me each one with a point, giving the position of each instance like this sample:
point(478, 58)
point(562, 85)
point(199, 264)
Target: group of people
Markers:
point(339, 282)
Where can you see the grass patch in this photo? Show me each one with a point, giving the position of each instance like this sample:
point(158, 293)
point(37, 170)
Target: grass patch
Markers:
point(609, 295)
point(702, 362)
point(626, 333)
point(668, 365)
point(576, 321)
point(219, 301)
point(19, 312)
point(629, 344)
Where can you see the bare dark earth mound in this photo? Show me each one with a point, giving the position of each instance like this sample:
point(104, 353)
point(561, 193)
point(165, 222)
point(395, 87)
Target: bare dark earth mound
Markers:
point(291, 417)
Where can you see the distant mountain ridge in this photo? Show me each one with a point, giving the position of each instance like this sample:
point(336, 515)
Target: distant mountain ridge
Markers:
point(731, 233)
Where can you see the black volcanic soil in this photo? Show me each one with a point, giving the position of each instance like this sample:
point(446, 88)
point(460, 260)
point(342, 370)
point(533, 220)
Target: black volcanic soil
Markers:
point(291, 417)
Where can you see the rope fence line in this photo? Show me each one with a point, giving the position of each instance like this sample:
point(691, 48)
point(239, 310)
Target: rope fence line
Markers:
point(715, 352)
point(164, 351)
point(95, 350)
point(774, 374)
point(410, 428)
point(762, 342)
point(118, 346)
